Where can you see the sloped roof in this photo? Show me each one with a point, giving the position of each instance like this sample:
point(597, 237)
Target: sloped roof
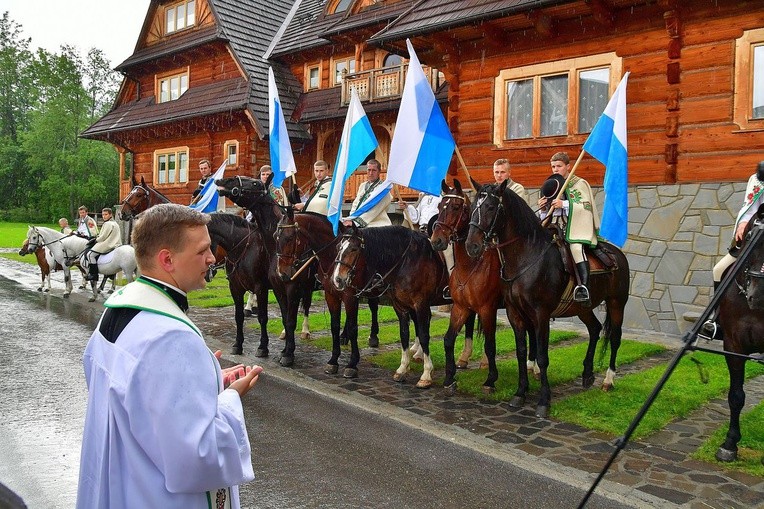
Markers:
point(433, 15)
point(181, 42)
point(370, 16)
point(217, 97)
point(304, 29)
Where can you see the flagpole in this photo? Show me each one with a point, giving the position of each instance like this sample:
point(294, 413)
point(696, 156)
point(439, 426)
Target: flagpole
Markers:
point(405, 211)
point(464, 167)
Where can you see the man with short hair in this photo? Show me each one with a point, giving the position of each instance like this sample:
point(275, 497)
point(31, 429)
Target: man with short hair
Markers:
point(63, 224)
point(205, 168)
point(502, 172)
point(108, 240)
point(582, 220)
point(377, 215)
point(86, 225)
point(276, 192)
point(164, 425)
point(318, 199)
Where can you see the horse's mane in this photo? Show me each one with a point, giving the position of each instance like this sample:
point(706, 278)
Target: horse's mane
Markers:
point(315, 216)
point(229, 219)
point(55, 233)
point(385, 245)
point(526, 222)
point(157, 192)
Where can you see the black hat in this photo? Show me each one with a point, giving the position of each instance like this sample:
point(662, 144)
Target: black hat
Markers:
point(552, 186)
point(760, 171)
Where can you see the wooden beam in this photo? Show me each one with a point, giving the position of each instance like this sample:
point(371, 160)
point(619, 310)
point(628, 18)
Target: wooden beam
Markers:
point(602, 12)
point(544, 24)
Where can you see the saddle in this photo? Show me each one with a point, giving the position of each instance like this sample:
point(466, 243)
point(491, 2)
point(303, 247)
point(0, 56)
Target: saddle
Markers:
point(600, 257)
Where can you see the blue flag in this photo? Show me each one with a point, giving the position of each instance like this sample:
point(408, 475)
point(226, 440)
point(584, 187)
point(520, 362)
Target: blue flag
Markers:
point(282, 159)
point(607, 144)
point(356, 143)
point(208, 196)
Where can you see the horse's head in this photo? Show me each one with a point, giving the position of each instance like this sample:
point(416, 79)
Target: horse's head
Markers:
point(242, 190)
point(34, 239)
point(453, 215)
point(487, 212)
point(753, 274)
point(24, 248)
point(136, 201)
point(290, 248)
point(349, 257)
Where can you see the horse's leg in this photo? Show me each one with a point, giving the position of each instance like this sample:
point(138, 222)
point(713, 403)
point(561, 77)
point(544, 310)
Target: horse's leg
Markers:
point(469, 330)
point(415, 350)
point(251, 302)
point(423, 317)
point(594, 328)
point(613, 323)
point(289, 309)
point(488, 321)
point(736, 399)
point(542, 342)
point(307, 299)
point(334, 304)
point(237, 294)
point(459, 314)
point(351, 325)
point(403, 325)
point(67, 281)
point(374, 333)
point(519, 329)
point(262, 319)
point(532, 367)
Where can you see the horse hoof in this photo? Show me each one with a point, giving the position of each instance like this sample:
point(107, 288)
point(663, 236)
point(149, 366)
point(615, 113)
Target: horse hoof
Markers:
point(606, 387)
point(461, 365)
point(488, 390)
point(39, 289)
point(418, 360)
point(261, 352)
point(587, 381)
point(66, 295)
point(726, 455)
point(424, 384)
point(373, 341)
point(350, 373)
point(287, 361)
point(237, 350)
point(282, 335)
point(542, 411)
point(483, 365)
point(247, 313)
point(400, 378)
point(110, 291)
point(91, 299)
point(331, 369)
point(450, 389)
point(305, 335)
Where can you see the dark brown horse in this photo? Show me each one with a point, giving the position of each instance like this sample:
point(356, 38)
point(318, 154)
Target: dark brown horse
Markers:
point(474, 284)
point(741, 318)
point(537, 285)
point(254, 265)
point(400, 264)
point(140, 197)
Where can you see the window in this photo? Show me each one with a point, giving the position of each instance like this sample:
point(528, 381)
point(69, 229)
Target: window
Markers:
point(341, 68)
point(342, 6)
point(749, 80)
point(313, 77)
point(170, 88)
point(231, 152)
point(179, 16)
point(392, 60)
point(555, 98)
point(171, 166)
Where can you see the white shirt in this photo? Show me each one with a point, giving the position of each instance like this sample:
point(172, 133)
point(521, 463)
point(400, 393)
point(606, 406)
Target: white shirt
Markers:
point(422, 213)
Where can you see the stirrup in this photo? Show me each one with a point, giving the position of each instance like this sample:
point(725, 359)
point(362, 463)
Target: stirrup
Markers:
point(447, 293)
point(580, 294)
point(710, 330)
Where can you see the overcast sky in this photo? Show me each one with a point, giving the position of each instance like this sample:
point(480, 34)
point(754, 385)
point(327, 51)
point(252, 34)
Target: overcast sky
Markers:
point(110, 25)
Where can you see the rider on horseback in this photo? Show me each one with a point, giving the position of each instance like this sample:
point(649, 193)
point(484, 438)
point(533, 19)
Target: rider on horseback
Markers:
point(109, 239)
point(582, 220)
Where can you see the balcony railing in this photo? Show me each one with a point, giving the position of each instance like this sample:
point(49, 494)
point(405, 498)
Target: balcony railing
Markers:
point(383, 83)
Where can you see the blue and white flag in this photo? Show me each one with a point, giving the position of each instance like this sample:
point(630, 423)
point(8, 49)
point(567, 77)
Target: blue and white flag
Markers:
point(356, 143)
point(282, 159)
point(208, 196)
point(422, 145)
point(379, 192)
point(607, 144)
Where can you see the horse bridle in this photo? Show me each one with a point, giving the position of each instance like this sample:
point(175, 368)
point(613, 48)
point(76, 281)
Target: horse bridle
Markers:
point(239, 190)
point(451, 230)
point(306, 256)
point(144, 197)
point(489, 234)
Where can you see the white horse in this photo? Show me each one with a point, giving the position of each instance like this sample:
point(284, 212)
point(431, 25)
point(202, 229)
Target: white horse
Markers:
point(69, 248)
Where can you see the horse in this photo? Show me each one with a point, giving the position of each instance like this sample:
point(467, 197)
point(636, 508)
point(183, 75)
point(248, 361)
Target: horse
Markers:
point(67, 249)
point(742, 323)
point(141, 197)
point(261, 275)
point(400, 264)
point(300, 238)
point(473, 284)
point(537, 286)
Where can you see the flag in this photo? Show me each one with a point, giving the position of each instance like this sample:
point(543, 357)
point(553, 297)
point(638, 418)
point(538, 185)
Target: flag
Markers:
point(607, 144)
point(356, 143)
point(375, 197)
point(208, 196)
point(422, 145)
point(282, 159)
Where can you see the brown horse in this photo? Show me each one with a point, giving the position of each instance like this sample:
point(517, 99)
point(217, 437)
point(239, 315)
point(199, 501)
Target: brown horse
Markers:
point(474, 283)
point(400, 264)
point(537, 286)
point(141, 197)
point(742, 322)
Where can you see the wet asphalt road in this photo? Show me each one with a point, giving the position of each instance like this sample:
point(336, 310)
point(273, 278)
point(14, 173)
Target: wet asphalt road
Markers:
point(310, 450)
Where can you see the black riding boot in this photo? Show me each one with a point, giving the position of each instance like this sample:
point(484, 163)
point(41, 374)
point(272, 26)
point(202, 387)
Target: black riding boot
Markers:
point(581, 292)
point(92, 272)
point(711, 329)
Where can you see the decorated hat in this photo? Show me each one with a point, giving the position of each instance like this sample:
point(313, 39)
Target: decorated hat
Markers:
point(552, 186)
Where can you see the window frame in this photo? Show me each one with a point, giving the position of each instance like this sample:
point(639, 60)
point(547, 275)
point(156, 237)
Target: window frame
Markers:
point(174, 7)
point(332, 68)
point(308, 68)
point(744, 80)
point(160, 78)
point(226, 154)
point(573, 67)
point(176, 152)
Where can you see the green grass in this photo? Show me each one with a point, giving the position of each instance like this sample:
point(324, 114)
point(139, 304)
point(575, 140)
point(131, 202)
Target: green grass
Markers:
point(30, 259)
point(216, 294)
point(750, 447)
point(13, 234)
point(684, 392)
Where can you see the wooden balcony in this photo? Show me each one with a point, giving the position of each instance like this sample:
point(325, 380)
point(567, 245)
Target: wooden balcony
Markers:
point(384, 83)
